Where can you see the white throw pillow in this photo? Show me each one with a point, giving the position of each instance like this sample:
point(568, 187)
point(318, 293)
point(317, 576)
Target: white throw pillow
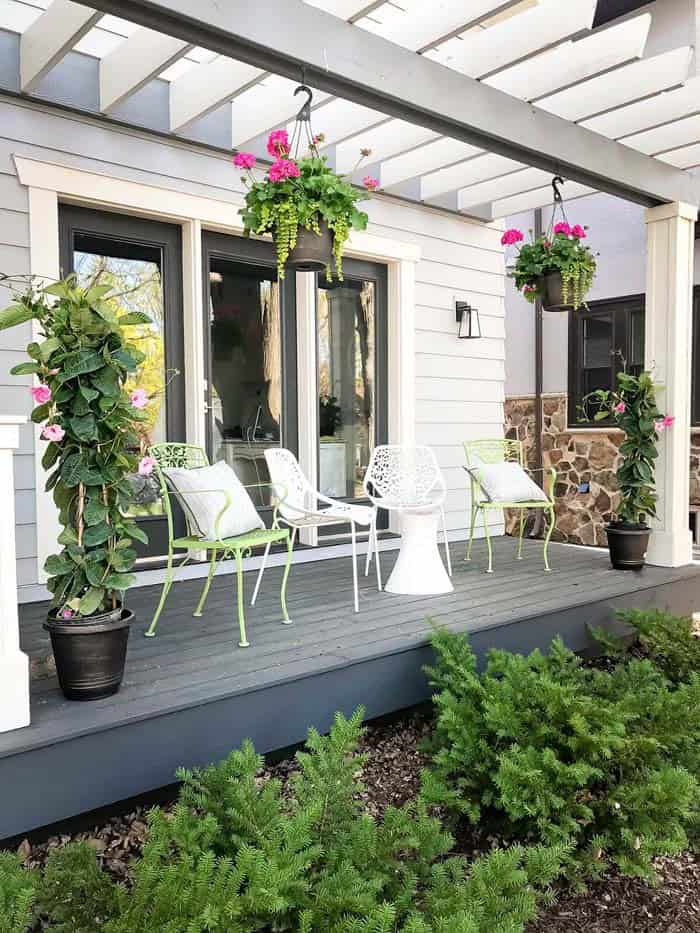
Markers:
point(507, 482)
point(203, 503)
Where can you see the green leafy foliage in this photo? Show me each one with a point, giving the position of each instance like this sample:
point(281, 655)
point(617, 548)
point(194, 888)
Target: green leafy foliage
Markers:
point(561, 253)
point(632, 405)
point(669, 640)
point(543, 749)
point(85, 361)
point(239, 855)
point(17, 894)
point(317, 195)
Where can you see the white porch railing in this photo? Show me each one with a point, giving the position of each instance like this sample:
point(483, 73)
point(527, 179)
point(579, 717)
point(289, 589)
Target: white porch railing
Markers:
point(14, 664)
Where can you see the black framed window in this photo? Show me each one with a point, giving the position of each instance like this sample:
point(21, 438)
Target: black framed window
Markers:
point(603, 339)
point(695, 397)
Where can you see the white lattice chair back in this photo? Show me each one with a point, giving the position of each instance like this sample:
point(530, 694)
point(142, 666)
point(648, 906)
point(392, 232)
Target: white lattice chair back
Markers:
point(287, 476)
point(403, 477)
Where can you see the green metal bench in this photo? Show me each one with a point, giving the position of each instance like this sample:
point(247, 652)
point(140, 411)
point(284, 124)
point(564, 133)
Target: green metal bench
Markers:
point(497, 451)
point(189, 456)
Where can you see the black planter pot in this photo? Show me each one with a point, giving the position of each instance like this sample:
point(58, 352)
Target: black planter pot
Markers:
point(90, 654)
point(312, 252)
point(627, 544)
point(552, 293)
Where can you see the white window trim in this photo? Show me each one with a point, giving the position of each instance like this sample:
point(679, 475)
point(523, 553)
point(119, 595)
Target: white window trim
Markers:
point(50, 183)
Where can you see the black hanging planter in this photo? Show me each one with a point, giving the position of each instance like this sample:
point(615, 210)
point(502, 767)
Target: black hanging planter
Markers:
point(312, 253)
point(552, 290)
point(90, 653)
point(627, 543)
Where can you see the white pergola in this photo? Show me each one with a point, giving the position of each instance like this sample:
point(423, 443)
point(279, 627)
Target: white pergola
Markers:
point(467, 105)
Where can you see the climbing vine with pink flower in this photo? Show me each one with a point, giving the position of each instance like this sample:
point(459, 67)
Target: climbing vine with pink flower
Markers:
point(301, 193)
point(92, 426)
point(560, 250)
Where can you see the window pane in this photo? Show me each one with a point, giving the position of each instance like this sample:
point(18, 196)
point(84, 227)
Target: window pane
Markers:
point(246, 368)
point(135, 273)
point(597, 350)
point(636, 350)
point(347, 416)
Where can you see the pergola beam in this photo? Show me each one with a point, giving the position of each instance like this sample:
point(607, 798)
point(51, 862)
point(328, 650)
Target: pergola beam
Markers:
point(50, 38)
point(282, 36)
point(134, 63)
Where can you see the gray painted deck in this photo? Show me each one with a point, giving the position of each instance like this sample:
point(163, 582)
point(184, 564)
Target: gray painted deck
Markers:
point(191, 694)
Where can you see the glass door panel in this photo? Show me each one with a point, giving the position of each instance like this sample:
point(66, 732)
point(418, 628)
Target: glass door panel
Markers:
point(251, 403)
point(142, 262)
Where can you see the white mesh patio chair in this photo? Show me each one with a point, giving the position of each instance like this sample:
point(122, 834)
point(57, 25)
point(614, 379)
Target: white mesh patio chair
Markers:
point(409, 481)
point(302, 506)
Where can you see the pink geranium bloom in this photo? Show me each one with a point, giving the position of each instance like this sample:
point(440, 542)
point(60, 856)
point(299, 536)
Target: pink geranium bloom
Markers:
point(283, 169)
point(278, 143)
point(41, 394)
point(370, 183)
point(529, 288)
point(53, 432)
point(146, 465)
point(620, 408)
point(139, 398)
point(511, 236)
point(562, 227)
point(66, 613)
point(578, 231)
point(244, 160)
point(666, 422)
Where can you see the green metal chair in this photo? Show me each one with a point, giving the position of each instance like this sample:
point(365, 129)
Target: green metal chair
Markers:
point(189, 457)
point(497, 451)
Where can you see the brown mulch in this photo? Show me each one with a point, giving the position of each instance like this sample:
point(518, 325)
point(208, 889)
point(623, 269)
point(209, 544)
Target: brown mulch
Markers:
point(391, 777)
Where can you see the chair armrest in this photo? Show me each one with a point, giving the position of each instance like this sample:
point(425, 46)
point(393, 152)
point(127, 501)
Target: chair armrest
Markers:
point(198, 492)
point(549, 478)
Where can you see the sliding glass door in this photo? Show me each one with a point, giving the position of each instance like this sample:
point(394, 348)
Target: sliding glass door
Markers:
point(142, 261)
point(250, 346)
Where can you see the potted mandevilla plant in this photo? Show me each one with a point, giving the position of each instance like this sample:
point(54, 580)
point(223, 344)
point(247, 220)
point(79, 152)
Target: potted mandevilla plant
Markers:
point(308, 209)
point(556, 267)
point(632, 405)
point(90, 423)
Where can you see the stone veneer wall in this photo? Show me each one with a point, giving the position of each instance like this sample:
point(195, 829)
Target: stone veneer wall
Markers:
point(579, 457)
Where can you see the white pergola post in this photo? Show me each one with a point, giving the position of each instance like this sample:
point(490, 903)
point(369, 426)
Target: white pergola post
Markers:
point(14, 664)
point(668, 347)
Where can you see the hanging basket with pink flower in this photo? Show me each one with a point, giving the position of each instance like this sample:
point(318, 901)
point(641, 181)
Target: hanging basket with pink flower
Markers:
point(556, 267)
point(301, 201)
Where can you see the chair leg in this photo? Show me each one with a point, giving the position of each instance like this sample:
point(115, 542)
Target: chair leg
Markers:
point(488, 540)
point(472, 524)
point(370, 545)
point(150, 633)
point(283, 593)
point(376, 554)
point(520, 536)
point(447, 543)
point(260, 573)
point(205, 592)
point(353, 535)
point(550, 529)
point(243, 643)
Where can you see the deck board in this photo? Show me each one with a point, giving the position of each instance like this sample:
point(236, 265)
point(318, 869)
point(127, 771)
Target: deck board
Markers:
point(191, 693)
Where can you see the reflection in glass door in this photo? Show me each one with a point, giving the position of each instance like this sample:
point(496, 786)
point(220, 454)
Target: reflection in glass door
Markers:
point(351, 376)
point(250, 335)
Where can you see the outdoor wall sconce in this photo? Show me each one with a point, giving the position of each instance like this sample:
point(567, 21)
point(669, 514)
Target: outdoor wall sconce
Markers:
point(469, 325)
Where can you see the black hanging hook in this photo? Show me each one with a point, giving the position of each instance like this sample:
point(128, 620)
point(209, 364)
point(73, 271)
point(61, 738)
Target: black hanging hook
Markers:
point(304, 115)
point(556, 181)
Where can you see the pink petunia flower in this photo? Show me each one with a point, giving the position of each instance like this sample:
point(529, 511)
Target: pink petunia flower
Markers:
point(244, 160)
point(666, 422)
point(511, 236)
point(562, 227)
point(41, 394)
point(146, 465)
point(278, 143)
point(283, 169)
point(529, 288)
point(139, 398)
point(620, 408)
point(578, 231)
point(371, 184)
point(53, 432)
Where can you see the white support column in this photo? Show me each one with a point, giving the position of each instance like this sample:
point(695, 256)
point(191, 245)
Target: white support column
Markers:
point(668, 326)
point(14, 664)
point(307, 387)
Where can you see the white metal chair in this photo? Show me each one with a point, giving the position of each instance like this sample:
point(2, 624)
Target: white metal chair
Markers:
point(409, 481)
point(300, 508)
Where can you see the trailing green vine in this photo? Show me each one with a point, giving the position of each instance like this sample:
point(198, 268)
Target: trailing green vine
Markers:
point(301, 193)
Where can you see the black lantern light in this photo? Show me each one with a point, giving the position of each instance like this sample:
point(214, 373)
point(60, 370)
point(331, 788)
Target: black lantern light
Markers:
point(469, 325)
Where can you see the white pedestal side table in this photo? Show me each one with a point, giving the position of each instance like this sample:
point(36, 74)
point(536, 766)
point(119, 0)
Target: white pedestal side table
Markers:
point(419, 570)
